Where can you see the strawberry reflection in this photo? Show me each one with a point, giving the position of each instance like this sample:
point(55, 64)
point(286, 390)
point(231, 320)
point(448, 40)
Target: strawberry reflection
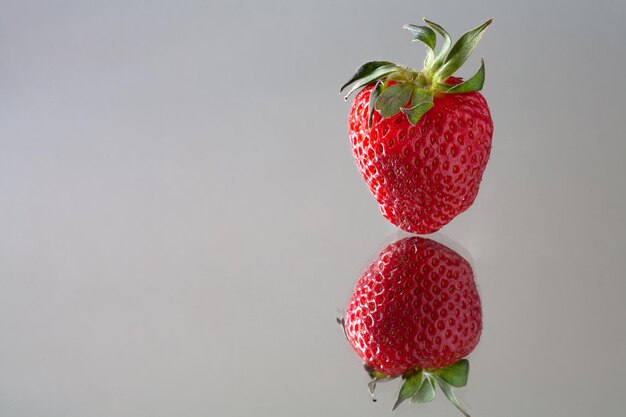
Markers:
point(415, 313)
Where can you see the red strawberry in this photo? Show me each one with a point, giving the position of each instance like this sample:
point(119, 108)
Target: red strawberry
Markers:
point(416, 312)
point(425, 148)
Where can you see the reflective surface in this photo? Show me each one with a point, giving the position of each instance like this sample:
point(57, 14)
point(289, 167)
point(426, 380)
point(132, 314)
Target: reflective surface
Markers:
point(181, 217)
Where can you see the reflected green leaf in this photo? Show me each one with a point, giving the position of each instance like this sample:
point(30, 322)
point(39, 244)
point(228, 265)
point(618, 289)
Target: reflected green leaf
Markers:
point(410, 387)
point(447, 390)
point(455, 374)
point(426, 391)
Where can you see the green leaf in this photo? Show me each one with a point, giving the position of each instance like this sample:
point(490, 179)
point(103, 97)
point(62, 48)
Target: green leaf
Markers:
point(410, 387)
point(422, 102)
point(378, 88)
point(373, 76)
point(423, 34)
point(427, 36)
point(450, 394)
point(366, 70)
point(441, 56)
point(461, 51)
point(426, 391)
point(455, 374)
point(421, 95)
point(475, 83)
point(415, 113)
point(393, 98)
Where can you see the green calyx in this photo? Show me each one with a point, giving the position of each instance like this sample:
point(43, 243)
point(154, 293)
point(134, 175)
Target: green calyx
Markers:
point(419, 384)
point(402, 89)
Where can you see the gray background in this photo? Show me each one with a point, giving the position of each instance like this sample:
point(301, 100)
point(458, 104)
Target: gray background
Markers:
point(181, 219)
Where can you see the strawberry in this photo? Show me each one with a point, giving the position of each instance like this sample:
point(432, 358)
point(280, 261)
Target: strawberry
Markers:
point(416, 313)
point(422, 139)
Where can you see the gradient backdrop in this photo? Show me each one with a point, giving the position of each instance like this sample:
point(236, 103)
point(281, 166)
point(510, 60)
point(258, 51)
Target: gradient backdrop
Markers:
point(181, 219)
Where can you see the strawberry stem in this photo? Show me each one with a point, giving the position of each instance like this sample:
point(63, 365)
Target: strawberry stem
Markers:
point(417, 88)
